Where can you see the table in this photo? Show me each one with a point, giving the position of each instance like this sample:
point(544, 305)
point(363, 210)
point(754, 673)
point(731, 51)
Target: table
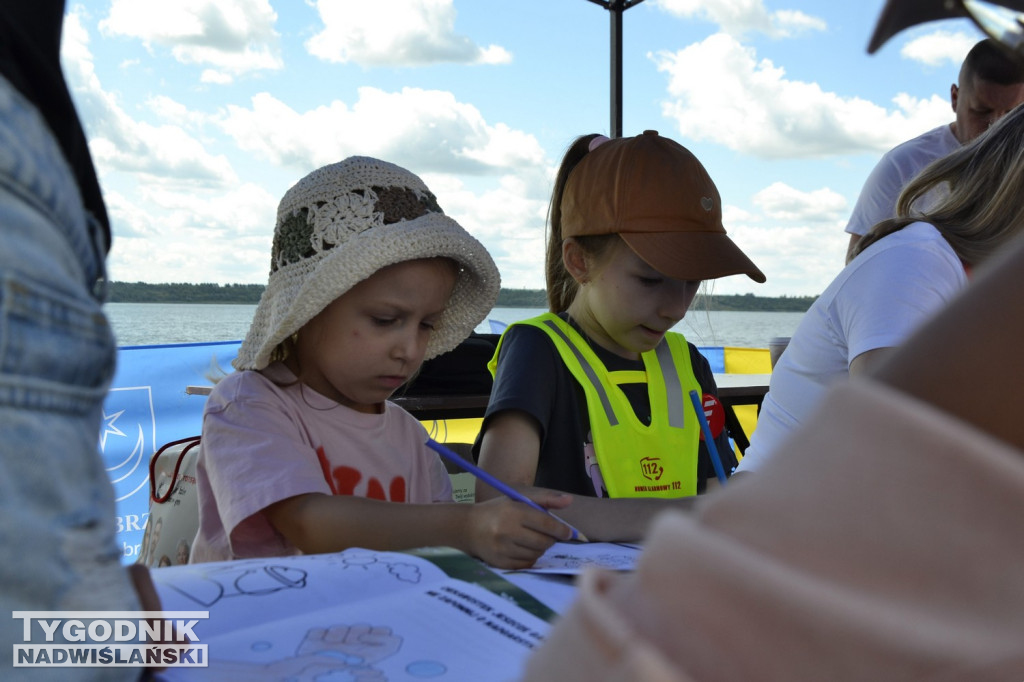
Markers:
point(742, 389)
point(426, 407)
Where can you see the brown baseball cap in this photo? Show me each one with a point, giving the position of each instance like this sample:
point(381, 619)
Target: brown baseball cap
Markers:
point(656, 195)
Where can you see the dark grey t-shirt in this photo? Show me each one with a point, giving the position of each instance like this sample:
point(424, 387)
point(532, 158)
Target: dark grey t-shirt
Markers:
point(532, 378)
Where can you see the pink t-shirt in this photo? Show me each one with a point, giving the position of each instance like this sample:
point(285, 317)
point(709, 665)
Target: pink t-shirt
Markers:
point(267, 438)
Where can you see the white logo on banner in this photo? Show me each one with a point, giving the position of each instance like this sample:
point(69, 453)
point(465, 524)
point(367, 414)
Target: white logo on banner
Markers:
point(127, 441)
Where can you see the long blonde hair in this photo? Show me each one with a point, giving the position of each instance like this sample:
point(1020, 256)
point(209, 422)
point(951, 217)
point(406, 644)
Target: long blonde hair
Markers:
point(985, 205)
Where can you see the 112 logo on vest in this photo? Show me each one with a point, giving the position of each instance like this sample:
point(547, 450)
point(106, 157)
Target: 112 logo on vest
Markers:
point(102, 639)
point(651, 468)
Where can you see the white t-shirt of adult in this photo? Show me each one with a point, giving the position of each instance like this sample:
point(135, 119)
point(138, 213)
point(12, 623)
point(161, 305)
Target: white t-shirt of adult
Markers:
point(877, 301)
point(267, 438)
point(897, 167)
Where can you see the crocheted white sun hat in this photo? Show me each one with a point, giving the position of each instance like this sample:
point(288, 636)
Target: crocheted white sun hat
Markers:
point(342, 223)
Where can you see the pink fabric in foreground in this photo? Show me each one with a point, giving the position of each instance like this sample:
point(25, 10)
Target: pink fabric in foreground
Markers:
point(887, 543)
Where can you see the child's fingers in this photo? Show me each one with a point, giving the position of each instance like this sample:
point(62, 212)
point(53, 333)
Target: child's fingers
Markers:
point(514, 535)
point(524, 550)
point(545, 525)
point(513, 552)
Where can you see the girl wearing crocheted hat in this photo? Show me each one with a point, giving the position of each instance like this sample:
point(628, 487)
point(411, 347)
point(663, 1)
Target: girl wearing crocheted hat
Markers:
point(301, 450)
point(594, 398)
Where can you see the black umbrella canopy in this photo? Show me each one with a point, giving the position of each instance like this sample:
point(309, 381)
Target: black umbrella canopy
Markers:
point(995, 18)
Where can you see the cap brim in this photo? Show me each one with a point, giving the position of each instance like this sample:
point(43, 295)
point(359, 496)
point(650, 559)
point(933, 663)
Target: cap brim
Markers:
point(898, 15)
point(692, 255)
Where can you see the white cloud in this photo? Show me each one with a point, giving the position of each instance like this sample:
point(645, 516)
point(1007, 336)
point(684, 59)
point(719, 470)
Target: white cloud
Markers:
point(181, 213)
point(446, 142)
point(120, 143)
point(734, 215)
point(171, 110)
point(178, 212)
point(798, 258)
point(508, 218)
point(428, 130)
point(737, 17)
point(193, 194)
point(75, 55)
point(396, 33)
point(167, 235)
point(720, 92)
point(795, 237)
point(940, 47)
point(787, 23)
point(779, 201)
point(215, 77)
point(231, 37)
point(163, 152)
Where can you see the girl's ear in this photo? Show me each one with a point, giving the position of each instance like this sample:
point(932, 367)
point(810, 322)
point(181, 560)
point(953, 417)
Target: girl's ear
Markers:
point(575, 260)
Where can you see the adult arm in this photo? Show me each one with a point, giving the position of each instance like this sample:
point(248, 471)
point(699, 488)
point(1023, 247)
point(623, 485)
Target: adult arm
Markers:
point(967, 361)
point(865, 362)
point(898, 286)
point(876, 303)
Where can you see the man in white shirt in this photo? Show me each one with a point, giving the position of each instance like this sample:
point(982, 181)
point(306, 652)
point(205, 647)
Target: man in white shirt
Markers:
point(989, 85)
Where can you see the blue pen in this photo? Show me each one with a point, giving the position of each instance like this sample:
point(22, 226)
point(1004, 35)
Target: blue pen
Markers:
point(497, 485)
point(709, 440)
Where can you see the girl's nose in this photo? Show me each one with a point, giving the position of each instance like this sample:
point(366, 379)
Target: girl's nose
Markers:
point(674, 309)
point(411, 345)
point(676, 300)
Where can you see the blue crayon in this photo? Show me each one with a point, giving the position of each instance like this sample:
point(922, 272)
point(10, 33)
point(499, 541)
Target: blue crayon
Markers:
point(496, 484)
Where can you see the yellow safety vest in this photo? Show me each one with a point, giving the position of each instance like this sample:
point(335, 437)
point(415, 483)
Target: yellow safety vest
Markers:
point(636, 459)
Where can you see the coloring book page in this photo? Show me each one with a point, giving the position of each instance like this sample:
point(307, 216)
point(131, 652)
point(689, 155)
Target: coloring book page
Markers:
point(571, 558)
point(353, 615)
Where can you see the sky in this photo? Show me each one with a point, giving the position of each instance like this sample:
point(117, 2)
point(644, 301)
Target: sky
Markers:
point(202, 113)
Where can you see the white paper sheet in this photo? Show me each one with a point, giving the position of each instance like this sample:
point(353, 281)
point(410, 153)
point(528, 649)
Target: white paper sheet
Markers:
point(353, 615)
point(571, 558)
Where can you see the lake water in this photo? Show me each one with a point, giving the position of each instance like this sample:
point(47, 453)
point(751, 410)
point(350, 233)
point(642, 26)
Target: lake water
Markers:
point(143, 324)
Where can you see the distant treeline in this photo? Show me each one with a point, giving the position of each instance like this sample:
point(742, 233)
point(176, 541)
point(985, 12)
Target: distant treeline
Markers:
point(536, 298)
point(141, 292)
point(751, 303)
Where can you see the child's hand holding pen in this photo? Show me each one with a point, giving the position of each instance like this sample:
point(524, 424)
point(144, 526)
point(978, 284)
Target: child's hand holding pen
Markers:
point(508, 534)
point(503, 487)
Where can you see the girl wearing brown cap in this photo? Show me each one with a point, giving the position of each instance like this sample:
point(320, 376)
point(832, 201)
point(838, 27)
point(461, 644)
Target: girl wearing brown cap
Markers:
point(592, 398)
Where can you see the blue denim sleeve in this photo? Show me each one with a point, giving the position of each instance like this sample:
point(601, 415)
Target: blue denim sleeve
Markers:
point(57, 357)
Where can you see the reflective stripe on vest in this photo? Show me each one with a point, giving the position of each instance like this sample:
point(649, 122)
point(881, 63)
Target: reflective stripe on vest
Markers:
point(636, 460)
